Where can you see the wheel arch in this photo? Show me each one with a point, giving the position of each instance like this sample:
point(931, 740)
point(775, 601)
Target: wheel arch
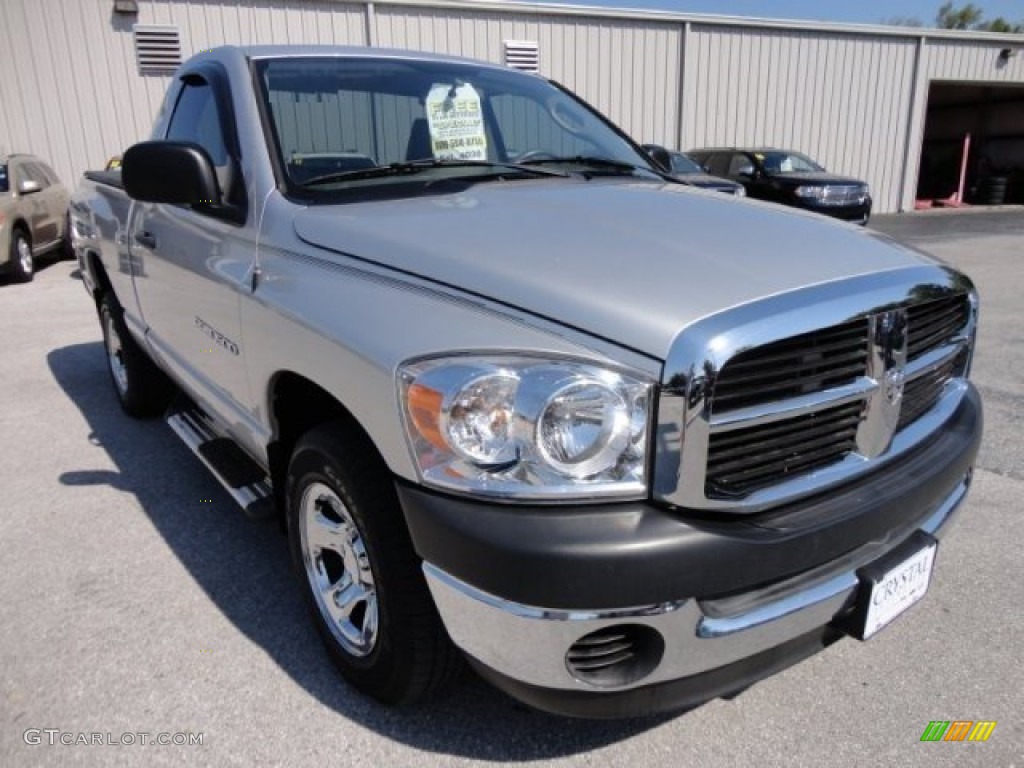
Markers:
point(19, 222)
point(296, 405)
point(98, 278)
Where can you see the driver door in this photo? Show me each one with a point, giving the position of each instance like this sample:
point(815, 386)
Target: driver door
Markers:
point(191, 264)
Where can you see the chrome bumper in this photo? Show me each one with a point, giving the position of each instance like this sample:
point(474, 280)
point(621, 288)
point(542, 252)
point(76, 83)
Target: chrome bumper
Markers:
point(529, 644)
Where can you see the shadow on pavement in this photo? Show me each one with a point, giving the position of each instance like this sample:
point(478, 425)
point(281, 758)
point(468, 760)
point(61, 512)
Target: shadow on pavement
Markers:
point(244, 568)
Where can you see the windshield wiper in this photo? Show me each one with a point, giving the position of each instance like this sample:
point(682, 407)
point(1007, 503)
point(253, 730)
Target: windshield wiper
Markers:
point(591, 161)
point(418, 166)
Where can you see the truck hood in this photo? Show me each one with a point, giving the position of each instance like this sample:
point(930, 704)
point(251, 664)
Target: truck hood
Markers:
point(632, 262)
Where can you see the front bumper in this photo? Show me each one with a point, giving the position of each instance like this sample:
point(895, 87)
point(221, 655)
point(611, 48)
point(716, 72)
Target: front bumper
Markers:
point(859, 213)
point(730, 601)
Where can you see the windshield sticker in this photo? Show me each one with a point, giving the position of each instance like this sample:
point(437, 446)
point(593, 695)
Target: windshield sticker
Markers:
point(456, 123)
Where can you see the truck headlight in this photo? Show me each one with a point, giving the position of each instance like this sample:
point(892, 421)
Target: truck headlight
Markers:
point(527, 428)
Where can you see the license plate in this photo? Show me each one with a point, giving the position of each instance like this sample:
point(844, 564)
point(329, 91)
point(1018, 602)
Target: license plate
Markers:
point(889, 587)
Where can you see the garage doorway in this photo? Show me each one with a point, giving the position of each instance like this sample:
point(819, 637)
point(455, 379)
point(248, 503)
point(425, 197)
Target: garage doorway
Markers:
point(992, 116)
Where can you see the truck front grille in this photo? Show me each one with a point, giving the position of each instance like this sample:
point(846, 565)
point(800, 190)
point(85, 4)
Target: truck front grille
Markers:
point(923, 392)
point(743, 460)
point(933, 323)
point(795, 366)
point(828, 379)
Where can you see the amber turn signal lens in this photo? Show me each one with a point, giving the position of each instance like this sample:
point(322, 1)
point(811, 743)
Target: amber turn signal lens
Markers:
point(424, 406)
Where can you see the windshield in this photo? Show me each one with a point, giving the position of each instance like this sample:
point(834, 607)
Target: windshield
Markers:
point(682, 164)
point(788, 162)
point(343, 123)
point(4, 184)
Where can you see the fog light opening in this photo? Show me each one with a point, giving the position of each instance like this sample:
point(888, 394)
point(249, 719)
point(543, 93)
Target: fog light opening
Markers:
point(615, 656)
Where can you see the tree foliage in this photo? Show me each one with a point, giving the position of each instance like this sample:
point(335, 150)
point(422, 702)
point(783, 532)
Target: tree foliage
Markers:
point(968, 16)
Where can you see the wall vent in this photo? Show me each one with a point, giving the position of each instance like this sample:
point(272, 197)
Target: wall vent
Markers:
point(157, 48)
point(522, 54)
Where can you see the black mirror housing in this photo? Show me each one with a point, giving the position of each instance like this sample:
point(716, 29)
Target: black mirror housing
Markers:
point(176, 172)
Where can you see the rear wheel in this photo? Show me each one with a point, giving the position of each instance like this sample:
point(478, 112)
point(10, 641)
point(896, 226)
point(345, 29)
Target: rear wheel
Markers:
point(363, 580)
point(142, 388)
point(21, 263)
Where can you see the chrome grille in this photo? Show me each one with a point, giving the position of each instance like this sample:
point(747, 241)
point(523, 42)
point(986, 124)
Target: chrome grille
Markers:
point(844, 194)
point(799, 365)
point(743, 460)
point(923, 392)
point(751, 418)
point(934, 323)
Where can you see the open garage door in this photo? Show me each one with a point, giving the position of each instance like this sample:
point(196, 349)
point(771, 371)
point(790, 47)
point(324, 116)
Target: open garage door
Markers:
point(974, 133)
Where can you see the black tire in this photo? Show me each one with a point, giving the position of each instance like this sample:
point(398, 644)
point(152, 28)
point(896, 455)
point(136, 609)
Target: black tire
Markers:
point(387, 639)
point(21, 263)
point(67, 249)
point(142, 389)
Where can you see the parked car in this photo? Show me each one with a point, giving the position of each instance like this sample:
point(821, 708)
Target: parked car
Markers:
point(686, 170)
point(33, 214)
point(790, 178)
point(514, 395)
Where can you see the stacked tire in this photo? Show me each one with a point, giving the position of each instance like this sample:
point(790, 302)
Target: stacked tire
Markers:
point(992, 190)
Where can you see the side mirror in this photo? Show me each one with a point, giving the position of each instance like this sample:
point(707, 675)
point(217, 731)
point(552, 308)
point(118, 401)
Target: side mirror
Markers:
point(28, 187)
point(176, 172)
point(747, 172)
point(660, 157)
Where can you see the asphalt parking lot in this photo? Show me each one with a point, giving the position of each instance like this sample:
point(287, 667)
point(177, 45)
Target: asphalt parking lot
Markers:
point(138, 599)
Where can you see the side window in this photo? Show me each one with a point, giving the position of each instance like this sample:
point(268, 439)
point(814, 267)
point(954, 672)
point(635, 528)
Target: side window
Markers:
point(740, 163)
point(33, 172)
point(49, 174)
point(196, 119)
point(718, 164)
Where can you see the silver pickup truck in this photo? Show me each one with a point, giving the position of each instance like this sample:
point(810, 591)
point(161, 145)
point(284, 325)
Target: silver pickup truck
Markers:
point(516, 396)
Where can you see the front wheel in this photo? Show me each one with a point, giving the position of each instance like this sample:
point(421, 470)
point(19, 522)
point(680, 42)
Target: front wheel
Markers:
point(362, 578)
point(22, 264)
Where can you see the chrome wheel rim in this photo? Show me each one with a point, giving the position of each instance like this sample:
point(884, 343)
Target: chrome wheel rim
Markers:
point(338, 569)
point(24, 255)
point(115, 355)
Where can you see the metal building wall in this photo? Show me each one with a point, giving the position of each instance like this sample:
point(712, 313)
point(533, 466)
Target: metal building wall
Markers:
point(855, 98)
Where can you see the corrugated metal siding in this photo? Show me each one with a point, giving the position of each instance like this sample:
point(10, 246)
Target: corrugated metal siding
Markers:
point(841, 99)
point(628, 70)
point(946, 60)
point(71, 91)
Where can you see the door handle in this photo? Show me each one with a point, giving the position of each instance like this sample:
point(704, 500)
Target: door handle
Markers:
point(148, 239)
